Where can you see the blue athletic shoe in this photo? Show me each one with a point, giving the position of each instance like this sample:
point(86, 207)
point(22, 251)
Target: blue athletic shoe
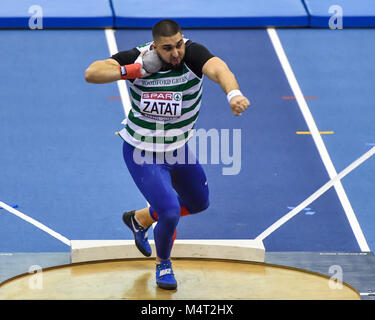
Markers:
point(140, 233)
point(164, 275)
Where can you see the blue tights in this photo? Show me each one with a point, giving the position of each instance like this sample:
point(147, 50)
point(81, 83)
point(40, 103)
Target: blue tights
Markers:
point(168, 188)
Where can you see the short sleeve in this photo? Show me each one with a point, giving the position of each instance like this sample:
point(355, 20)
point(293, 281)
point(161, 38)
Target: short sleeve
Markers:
point(196, 55)
point(126, 57)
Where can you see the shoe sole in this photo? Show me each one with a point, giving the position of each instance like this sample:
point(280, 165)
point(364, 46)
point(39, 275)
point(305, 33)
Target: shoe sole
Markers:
point(139, 247)
point(166, 286)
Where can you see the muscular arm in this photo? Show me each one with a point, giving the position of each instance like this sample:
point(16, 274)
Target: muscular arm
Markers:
point(218, 71)
point(103, 71)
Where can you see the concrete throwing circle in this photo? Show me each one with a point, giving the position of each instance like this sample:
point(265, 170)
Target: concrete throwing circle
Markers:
point(198, 279)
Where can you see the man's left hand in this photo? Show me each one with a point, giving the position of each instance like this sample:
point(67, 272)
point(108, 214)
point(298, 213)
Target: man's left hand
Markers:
point(239, 104)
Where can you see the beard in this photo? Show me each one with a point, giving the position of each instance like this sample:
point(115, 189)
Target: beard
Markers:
point(169, 66)
point(173, 67)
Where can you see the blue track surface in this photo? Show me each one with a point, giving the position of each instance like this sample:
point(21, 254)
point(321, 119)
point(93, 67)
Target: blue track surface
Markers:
point(343, 103)
point(62, 162)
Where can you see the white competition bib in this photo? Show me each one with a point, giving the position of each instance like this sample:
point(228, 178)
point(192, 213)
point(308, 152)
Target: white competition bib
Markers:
point(161, 105)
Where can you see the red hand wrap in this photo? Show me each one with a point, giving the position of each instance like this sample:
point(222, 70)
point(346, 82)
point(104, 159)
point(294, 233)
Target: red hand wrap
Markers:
point(131, 71)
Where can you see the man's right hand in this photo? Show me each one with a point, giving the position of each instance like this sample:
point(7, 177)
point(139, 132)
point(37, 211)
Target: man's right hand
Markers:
point(139, 60)
point(109, 70)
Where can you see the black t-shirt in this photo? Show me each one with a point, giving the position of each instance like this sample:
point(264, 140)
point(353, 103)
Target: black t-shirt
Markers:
point(196, 55)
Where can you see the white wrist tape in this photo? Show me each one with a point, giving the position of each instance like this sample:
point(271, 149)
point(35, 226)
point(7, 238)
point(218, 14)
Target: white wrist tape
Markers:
point(232, 94)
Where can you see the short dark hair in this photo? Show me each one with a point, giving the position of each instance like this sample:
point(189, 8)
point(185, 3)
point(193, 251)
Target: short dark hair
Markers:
point(165, 28)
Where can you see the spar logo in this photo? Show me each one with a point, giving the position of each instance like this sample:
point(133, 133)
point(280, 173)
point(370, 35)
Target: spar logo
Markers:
point(157, 96)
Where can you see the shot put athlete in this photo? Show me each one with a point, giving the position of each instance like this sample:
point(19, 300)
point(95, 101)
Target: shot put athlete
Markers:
point(165, 82)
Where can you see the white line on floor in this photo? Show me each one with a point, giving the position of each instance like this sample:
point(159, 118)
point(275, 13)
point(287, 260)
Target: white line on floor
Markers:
point(316, 195)
point(318, 140)
point(36, 223)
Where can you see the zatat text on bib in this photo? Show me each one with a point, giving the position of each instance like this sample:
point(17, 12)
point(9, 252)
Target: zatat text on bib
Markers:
point(161, 105)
